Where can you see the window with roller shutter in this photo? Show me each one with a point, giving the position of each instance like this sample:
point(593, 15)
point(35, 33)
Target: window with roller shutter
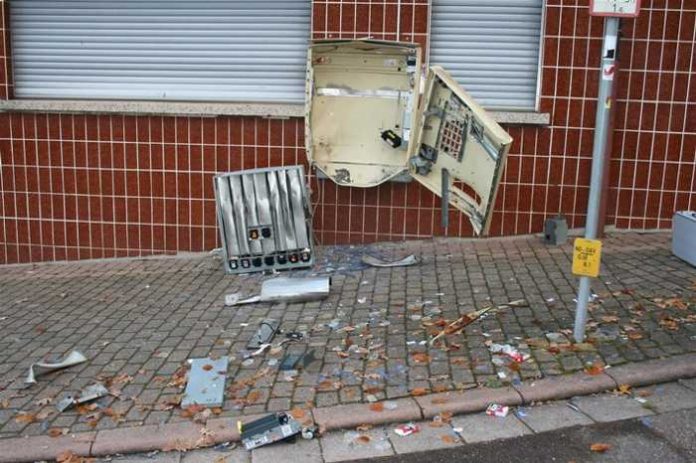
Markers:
point(225, 50)
point(492, 48)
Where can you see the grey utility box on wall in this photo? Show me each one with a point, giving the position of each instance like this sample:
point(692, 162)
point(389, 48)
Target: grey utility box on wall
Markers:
point(556, 230)
point(684, 236)
point(264, 219)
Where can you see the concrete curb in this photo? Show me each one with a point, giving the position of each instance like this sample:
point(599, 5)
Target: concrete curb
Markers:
point(186, 434)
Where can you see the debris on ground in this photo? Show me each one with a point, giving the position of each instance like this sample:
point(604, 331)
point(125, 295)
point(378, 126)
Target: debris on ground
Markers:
point(264, 335)
point(283, 289)
point(290, 361)
point(600, 447)
point(271, 428)
point(376, 262)
point(594, 369)
point(233, 299)
point(42, 368)
point(88, 394)
point(501, 411)
point(406, 429)
point(459, 324)
point(206, 382)
point(508, 350)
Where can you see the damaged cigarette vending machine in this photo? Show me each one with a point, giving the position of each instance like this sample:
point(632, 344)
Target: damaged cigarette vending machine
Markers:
point(264, 219)
point(367, 122)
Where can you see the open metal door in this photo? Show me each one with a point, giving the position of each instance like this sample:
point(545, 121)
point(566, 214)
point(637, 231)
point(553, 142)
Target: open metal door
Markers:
point(458, 151)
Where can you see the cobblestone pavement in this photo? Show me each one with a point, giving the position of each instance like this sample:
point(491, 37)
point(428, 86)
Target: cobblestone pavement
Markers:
point(137, 321)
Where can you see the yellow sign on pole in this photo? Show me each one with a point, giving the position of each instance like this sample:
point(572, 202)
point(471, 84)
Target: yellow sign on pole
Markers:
point(586, 257)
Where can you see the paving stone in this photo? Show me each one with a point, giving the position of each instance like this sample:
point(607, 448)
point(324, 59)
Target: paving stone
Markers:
point(551, 416)
point(301, 450)
point(668, 397)
point(480, 427)
point(346, 446)
point(606, 408)
point(678, 427)
point(690, 383)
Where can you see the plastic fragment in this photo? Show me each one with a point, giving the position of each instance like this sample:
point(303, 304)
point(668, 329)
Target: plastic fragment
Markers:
point(501, 411)
point(406, 429)
point(508, 350)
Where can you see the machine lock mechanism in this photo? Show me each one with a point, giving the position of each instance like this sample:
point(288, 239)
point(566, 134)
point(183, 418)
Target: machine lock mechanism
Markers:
point(392, 138)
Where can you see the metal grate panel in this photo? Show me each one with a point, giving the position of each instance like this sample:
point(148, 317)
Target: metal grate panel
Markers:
point(264, 219)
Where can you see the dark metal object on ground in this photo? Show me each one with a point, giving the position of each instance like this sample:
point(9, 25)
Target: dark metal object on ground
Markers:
point(264, 334)
point(290, 361)
point(269, 429)
point(264, 219)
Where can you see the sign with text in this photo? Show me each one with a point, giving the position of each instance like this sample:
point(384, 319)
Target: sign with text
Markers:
point(586, 257)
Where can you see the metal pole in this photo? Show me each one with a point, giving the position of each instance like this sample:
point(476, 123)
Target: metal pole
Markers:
point(604, 104)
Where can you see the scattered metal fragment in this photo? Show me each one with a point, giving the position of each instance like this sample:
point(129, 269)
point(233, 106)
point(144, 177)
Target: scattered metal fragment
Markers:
point(264, 334)
point(290, 361)
point(269, 429)
point(294, 335)
point(308, 359)
point(206, 382)
point(233, 299)
point(285, 289)
point(376, 262)
point(515, 303)
point(88, 394)
point(41, 368)
point(295, 289)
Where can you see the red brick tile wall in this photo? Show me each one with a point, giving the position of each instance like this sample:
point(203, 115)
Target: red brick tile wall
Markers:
point(76, 186)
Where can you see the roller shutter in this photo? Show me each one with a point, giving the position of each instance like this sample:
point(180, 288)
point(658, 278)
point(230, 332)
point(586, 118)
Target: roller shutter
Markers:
point(227, 50)
point(491, 47)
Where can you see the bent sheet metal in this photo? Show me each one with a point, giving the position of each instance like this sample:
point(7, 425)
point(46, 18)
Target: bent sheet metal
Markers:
point(376, 262)
point(41, 368)
point(284, 289)
point(367, 123)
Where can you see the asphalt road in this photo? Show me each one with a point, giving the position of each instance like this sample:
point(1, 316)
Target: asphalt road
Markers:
point(665, 438)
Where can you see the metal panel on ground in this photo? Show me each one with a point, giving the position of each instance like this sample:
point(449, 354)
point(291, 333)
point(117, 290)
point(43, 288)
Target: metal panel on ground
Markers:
point(264, 219)
point(491, 48)
point(211, 50)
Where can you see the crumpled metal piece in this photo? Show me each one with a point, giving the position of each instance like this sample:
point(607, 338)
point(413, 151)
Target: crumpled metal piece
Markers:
point(88, 394)
point(41, 368)
point(375, 262)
